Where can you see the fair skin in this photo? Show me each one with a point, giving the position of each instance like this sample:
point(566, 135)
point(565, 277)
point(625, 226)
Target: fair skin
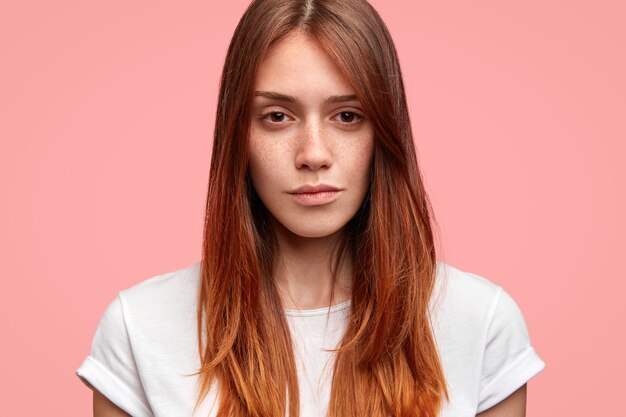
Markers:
point(512, 406)
point(308, 128)
point(300, 137)
point(103, 407)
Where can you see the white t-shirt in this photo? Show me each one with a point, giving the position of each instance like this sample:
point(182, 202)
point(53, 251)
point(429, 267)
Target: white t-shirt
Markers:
point(145, 345)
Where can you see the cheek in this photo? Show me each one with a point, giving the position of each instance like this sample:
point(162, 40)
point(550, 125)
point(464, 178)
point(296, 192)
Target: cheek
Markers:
point(263, 164)
point(359, 166)
point(256, 168)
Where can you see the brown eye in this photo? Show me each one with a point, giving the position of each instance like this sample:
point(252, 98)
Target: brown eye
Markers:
point(277, 116)
point(349, 118)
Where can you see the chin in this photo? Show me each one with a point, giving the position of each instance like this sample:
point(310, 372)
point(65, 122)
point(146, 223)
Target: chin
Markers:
point(315, 233)
point(311, 228)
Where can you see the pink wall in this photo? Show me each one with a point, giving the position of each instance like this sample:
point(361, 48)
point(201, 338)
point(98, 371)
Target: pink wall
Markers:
point(106, 115)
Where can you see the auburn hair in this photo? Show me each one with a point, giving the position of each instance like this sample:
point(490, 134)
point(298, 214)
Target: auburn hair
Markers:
point(387, 363)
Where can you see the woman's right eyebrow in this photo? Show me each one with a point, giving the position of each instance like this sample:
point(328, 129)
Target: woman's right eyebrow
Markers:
point(276, 96)
point(291, 99)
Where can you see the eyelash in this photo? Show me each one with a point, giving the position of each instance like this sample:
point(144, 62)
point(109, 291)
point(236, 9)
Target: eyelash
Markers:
point(357, 116)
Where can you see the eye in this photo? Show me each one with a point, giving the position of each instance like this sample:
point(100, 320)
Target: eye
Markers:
point(274, 117)
point(349, 118)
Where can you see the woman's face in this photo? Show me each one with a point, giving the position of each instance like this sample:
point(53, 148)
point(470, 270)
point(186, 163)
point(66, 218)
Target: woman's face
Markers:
point(307, 129)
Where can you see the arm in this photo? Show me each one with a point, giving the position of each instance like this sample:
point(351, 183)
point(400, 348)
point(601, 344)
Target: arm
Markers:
point(512, 406)
point(103, 407)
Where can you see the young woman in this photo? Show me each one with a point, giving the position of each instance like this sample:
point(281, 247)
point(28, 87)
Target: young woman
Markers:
point(319, 291)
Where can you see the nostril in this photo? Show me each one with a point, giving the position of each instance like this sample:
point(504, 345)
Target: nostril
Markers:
point(314, 155)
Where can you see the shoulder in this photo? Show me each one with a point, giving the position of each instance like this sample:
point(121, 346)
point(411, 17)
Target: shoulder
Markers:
point(158, 285)
point(160, 302)
point(164, 289)
point(474, 316)
point(463, 292)
point(482, 338)
point(144, 324)
point(465, 306)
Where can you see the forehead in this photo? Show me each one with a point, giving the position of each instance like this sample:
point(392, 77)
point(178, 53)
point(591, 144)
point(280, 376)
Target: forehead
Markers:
point(297, 64)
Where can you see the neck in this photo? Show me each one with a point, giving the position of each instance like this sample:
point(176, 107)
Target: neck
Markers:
point(303, 271)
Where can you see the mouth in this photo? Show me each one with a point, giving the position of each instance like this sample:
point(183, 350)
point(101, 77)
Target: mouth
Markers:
point(315, 195)
point(314, 189)
point(316, 198)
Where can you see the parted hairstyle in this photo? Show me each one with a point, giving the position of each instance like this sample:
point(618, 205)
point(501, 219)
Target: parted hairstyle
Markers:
point(387, 362)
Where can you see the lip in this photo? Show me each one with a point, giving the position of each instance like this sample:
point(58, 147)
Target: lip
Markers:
point(315, 195)
point(314, 189)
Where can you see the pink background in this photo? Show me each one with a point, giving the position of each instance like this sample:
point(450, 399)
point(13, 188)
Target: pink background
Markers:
point(106, 117)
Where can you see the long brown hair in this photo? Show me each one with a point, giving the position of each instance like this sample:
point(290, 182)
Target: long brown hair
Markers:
point(387, 362)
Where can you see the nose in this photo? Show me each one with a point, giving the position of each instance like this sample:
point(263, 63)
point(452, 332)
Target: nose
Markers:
point(313, 149)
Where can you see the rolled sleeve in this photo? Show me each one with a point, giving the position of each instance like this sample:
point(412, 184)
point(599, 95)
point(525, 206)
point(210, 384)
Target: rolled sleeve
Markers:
point(110, 366)
point(509, 359)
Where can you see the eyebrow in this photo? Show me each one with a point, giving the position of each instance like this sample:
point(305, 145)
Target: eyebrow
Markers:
point(291, 99)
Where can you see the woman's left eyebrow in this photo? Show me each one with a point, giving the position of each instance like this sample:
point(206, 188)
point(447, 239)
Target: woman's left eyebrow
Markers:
point(291, 99)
